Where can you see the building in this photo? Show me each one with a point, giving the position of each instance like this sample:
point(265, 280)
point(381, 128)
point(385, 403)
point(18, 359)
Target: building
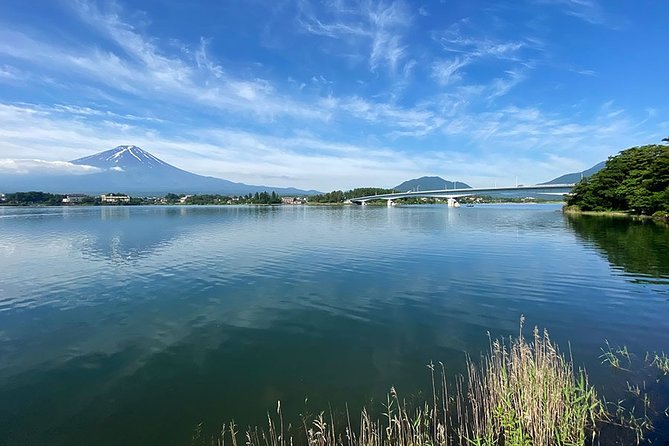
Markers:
point(74, 198)
point(114, 198)
point(292, 200)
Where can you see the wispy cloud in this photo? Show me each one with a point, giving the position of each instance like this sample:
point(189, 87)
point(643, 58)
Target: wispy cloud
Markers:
point(148, 73)
point(376, 26)
point(446, 71)
point(589, 11)
point(466, 48)
point(455, 40)
point(530, 129)
point(501, 86)
point(142, 70)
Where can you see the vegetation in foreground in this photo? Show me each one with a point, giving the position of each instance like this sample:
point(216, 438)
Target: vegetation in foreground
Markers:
point(521, 393)
point(635, 181)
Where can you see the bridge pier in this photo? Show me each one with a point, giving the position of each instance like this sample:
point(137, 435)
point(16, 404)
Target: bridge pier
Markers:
point(453, 203)
point(390, 203)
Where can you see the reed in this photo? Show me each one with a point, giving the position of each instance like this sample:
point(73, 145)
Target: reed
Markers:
point(661, 362)
point(528, 393)
point(521, 392)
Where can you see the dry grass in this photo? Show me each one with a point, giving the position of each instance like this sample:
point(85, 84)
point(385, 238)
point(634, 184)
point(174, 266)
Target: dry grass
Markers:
point(522, 392)
point(528, 393)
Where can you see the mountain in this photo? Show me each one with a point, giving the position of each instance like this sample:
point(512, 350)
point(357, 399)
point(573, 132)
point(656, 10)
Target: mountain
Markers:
point(577, 176)
point(125, 158)
point(131, 170)
point(430, 183)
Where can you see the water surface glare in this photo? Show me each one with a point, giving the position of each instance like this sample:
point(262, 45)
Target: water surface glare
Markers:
point(130, 325)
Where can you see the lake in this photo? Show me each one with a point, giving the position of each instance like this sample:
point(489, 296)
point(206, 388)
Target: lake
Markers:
point(132, 325)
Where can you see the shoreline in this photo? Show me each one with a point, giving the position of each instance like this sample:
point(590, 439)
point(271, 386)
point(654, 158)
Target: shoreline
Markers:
point(569, 210)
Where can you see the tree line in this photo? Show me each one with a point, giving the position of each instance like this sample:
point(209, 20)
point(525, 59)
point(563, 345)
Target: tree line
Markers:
point(338, 196)
point(200, 199)
point(35, 198)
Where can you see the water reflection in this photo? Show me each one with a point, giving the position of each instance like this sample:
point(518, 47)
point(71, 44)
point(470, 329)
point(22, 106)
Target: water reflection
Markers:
point(637, 247)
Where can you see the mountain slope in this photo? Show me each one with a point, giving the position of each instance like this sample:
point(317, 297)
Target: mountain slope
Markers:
point(430, 183)
point(575, 177)
point(131, 170)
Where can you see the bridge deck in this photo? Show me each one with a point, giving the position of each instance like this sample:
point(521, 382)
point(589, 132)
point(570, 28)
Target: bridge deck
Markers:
point(455, 193)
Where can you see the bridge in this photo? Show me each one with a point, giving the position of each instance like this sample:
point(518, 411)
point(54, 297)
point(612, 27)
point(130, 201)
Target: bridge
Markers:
point(452, 194)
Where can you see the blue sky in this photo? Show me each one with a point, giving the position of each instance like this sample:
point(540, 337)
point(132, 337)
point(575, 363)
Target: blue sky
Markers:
point(334, 94)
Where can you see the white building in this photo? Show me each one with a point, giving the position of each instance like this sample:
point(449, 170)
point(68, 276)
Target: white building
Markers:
point(74, 198)
point(114, 198)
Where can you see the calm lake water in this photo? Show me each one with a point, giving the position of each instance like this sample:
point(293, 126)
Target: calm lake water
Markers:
point(131, 325)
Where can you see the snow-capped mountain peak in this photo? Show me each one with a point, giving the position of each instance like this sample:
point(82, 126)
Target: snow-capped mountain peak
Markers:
point(126, 157)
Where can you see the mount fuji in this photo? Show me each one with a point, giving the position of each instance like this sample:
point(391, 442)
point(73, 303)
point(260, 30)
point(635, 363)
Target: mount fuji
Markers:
point(131, 170)
point(124, 158)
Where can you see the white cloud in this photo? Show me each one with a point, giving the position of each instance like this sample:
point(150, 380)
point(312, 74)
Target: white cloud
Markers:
point(204, 61)
point(501, 86)
point(519, 139)
point(446, 71)
point(455, 40)
point(512, 59)
point(589, 11)
point(42, 167)
point(416, 121)
point(377, 26)
point(149, 74)
point(144, 71)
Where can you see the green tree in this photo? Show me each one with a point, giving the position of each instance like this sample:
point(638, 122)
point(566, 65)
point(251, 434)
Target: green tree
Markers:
point(171, 198)
point(33, 198)
point(637, 180)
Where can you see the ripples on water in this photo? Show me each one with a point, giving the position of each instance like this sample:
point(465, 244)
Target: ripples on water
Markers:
point(131, 325)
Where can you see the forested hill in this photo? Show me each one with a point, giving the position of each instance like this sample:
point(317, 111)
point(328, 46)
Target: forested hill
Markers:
point(430, 183)
point(635, 180)
point(575, 177)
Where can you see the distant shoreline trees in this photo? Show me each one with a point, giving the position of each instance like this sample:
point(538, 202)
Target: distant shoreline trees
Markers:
point(337, 196)
point(35, 198)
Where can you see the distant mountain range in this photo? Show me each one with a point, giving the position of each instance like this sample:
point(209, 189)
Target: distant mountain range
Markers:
point(577, 176)
point(430, 183)
point(131, 170)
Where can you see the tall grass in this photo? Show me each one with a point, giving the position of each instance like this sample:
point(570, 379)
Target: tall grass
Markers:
point(528, 393)
point(521, 392)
